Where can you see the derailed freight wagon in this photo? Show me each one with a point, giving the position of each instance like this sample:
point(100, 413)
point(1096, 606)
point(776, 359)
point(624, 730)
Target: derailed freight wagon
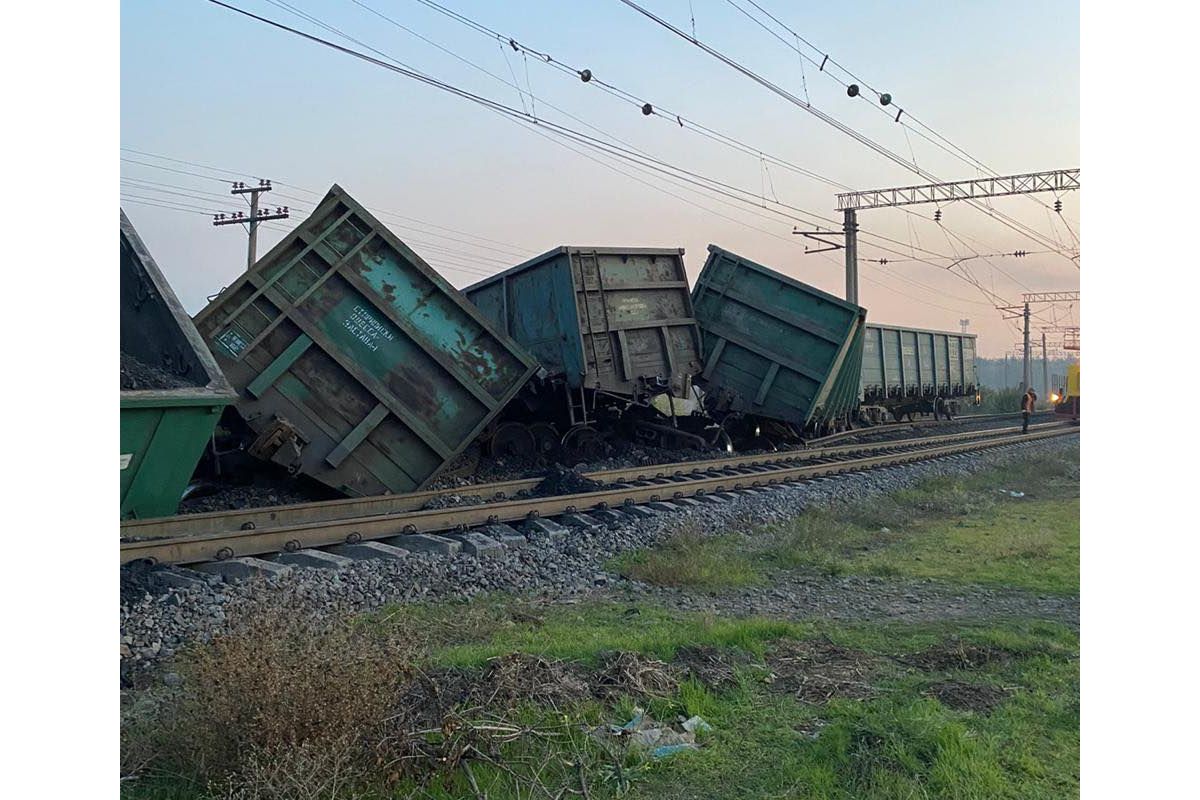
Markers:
point(172, 391)
point(782, 358)
point(356, 363)
point(908, 371)
point(614, 332)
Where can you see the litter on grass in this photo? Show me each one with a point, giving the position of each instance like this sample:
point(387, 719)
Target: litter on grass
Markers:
point(661, 739)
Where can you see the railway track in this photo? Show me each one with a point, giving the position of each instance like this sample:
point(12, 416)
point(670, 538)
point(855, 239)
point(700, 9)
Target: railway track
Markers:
point(219, 536)
point(919, 423)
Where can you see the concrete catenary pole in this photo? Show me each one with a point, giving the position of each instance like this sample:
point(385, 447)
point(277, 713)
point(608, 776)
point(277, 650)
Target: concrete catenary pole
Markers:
point(1025, 373)
point(850, 227)
point(1045, 371)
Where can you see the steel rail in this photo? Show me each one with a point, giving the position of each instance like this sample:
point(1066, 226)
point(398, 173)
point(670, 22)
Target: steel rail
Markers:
point(223, 545)
point(275, 516)
point(922, 423)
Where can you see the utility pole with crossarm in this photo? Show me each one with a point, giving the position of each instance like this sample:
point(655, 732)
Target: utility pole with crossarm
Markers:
point(256, 216)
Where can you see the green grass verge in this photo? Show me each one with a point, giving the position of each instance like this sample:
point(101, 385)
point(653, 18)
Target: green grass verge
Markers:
point(905, 738)
point(958, 530)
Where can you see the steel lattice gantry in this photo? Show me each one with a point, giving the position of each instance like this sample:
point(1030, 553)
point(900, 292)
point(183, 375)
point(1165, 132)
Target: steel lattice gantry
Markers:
point(1058, 180)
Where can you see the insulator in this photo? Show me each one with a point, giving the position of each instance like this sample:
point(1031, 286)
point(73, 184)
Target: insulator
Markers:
point(937, 215)
point(885, 99)
point(647, 109)
point(852, 90)
point(585, 75)
point(1058, 205)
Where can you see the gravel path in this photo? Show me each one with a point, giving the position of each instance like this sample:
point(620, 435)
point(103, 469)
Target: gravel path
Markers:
point(157, 620)
point(798, 595)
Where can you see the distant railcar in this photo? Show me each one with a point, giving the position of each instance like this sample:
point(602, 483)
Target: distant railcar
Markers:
point(1067, 405)
point(908, 371)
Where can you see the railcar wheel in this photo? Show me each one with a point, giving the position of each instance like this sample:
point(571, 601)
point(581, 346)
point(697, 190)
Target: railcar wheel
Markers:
point(513, 439)
point(582, 443)
point(545, 439)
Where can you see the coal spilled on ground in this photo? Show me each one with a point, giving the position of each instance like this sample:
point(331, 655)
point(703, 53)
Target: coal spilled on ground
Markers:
point(561, 480)
point(137, 375)
point(215, 496)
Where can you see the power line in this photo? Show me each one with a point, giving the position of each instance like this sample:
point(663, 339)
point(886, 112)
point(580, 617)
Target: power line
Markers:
point(588, 77)
point(835, 123)
point(828, 61)
point(636, 159)
point(517, 249)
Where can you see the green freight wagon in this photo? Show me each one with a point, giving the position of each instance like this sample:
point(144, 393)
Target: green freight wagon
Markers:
point(909, 371)
point(356, 363)
point(781, 358)
point(614, 331)
point(172, 391)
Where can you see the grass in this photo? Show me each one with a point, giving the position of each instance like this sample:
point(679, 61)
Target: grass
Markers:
point(895, 740)
point(967, 530)
point(688, 558)
point(898, 743)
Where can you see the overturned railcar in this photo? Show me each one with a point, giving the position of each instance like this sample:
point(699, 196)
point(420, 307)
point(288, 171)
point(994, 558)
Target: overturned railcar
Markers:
point(782, 358)
point(355, 362)
point(614, 332)
point(908, 371)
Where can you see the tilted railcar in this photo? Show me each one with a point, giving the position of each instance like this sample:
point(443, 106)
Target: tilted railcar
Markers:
point(615, 335)
point(782, 358)
point(356, 363)
point(172, 391)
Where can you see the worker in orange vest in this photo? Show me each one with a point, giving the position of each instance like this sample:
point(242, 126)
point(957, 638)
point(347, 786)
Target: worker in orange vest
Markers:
point(1028, 400)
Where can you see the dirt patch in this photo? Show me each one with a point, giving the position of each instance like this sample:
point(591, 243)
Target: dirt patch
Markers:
point(818, 671)
point(137, 375)
point(715, 667)
point(954, 654)
point(978, 697)
point(634, 675)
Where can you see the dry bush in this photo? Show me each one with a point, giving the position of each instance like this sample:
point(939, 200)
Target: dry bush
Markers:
point(629, 674)
point(272, 701)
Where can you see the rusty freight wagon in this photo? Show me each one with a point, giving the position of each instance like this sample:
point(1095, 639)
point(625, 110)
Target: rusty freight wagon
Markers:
point(613, 329)
point(356, 363)
point(781, 357)
point(172, 391)
point(908, 371)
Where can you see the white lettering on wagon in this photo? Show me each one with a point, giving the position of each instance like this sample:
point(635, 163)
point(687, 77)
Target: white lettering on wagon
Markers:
point(368, 330)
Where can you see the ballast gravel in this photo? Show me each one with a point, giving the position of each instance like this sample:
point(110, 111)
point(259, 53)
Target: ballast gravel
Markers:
point(157, 619)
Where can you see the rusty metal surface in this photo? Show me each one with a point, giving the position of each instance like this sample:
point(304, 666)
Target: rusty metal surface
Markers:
point(602, 317)
point(775, 347)
point(315, 513)
point(355, 361)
